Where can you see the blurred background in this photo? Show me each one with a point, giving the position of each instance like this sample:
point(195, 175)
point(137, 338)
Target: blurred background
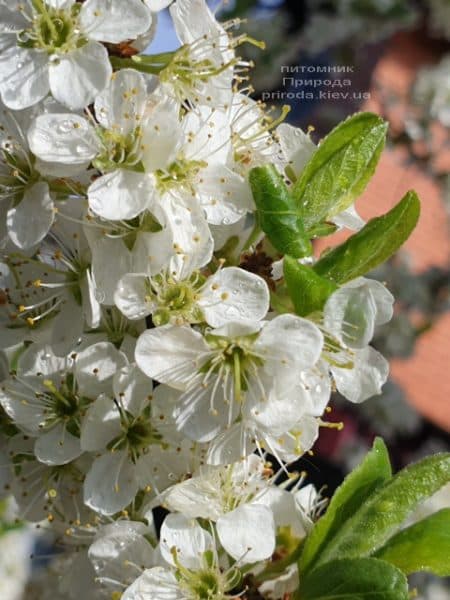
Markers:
point(327, 60)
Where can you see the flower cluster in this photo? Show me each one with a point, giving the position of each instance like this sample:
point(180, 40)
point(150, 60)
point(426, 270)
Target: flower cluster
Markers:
point(143, 362)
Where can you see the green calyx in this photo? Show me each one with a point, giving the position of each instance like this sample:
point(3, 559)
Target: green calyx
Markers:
point(53, 30)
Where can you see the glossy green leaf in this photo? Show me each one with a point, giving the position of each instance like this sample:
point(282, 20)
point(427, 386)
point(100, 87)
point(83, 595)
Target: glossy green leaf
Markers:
point(321, 230)
point(425, 546)
point(383, 512)
point(340, 168)
point(354, 579)
point(373, 244)
point(357, 487)
point(278, 215)
point(308, 291)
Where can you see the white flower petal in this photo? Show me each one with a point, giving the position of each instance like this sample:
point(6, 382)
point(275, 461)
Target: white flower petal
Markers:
point(170, 354)
point(233, 294)
point(157, 5)
point(293, 444)
point(248, 533)
point(187, 537)
point(352, 312)
point(193, 19)
point(24, 79)
point(192, 238)
point(95, 368)
point(365, 379)
point(224, 195)
point(134, 388)
point(131, 296)
point(29, 221)
point(11, 19)
point(120, 195)
point(114, 22)
point(121, 105)
point(154, 584)
point(110, 484)
point(67, 327)
point(231, 446)
point(60, 4)
point(290, 343)
point(194, 417)
point(63, 138)
point(194, 498)
point(296, 145)
point(76, 78)
point(57, 446)
point(349, 218)
point(349, 315)
point(19, 405)
point(91, 307)
point(118, 549)
point(208, 135)
point(161, 144)
point(100, 425)
point(111, 260)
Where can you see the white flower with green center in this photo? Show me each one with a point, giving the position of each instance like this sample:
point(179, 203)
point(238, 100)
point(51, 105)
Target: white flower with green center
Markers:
point(231, 294)
point(26, 204)
point(203, 70)
point(117, 550)
point(351, 315)
point(54, 46)
point(230, 373)
point(123, 427)
point(47, 398)
point(179, 241)
point(193, 571)
point(53, 291)
point(229, 495)
point(48, 492)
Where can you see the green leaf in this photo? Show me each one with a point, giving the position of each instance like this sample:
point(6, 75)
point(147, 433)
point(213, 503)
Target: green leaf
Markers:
point(357, 487)
point(383, 512)
point(373, 244)
point(354, 579)
point(321, 230)
point(278, 214)
point(308, 291)
point(340, 168)
point(425, 546)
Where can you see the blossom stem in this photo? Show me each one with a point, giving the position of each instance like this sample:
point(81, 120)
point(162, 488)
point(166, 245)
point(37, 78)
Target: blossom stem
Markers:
point(129, 63)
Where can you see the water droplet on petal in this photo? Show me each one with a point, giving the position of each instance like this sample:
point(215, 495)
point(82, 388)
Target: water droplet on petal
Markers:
point(65, 126)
